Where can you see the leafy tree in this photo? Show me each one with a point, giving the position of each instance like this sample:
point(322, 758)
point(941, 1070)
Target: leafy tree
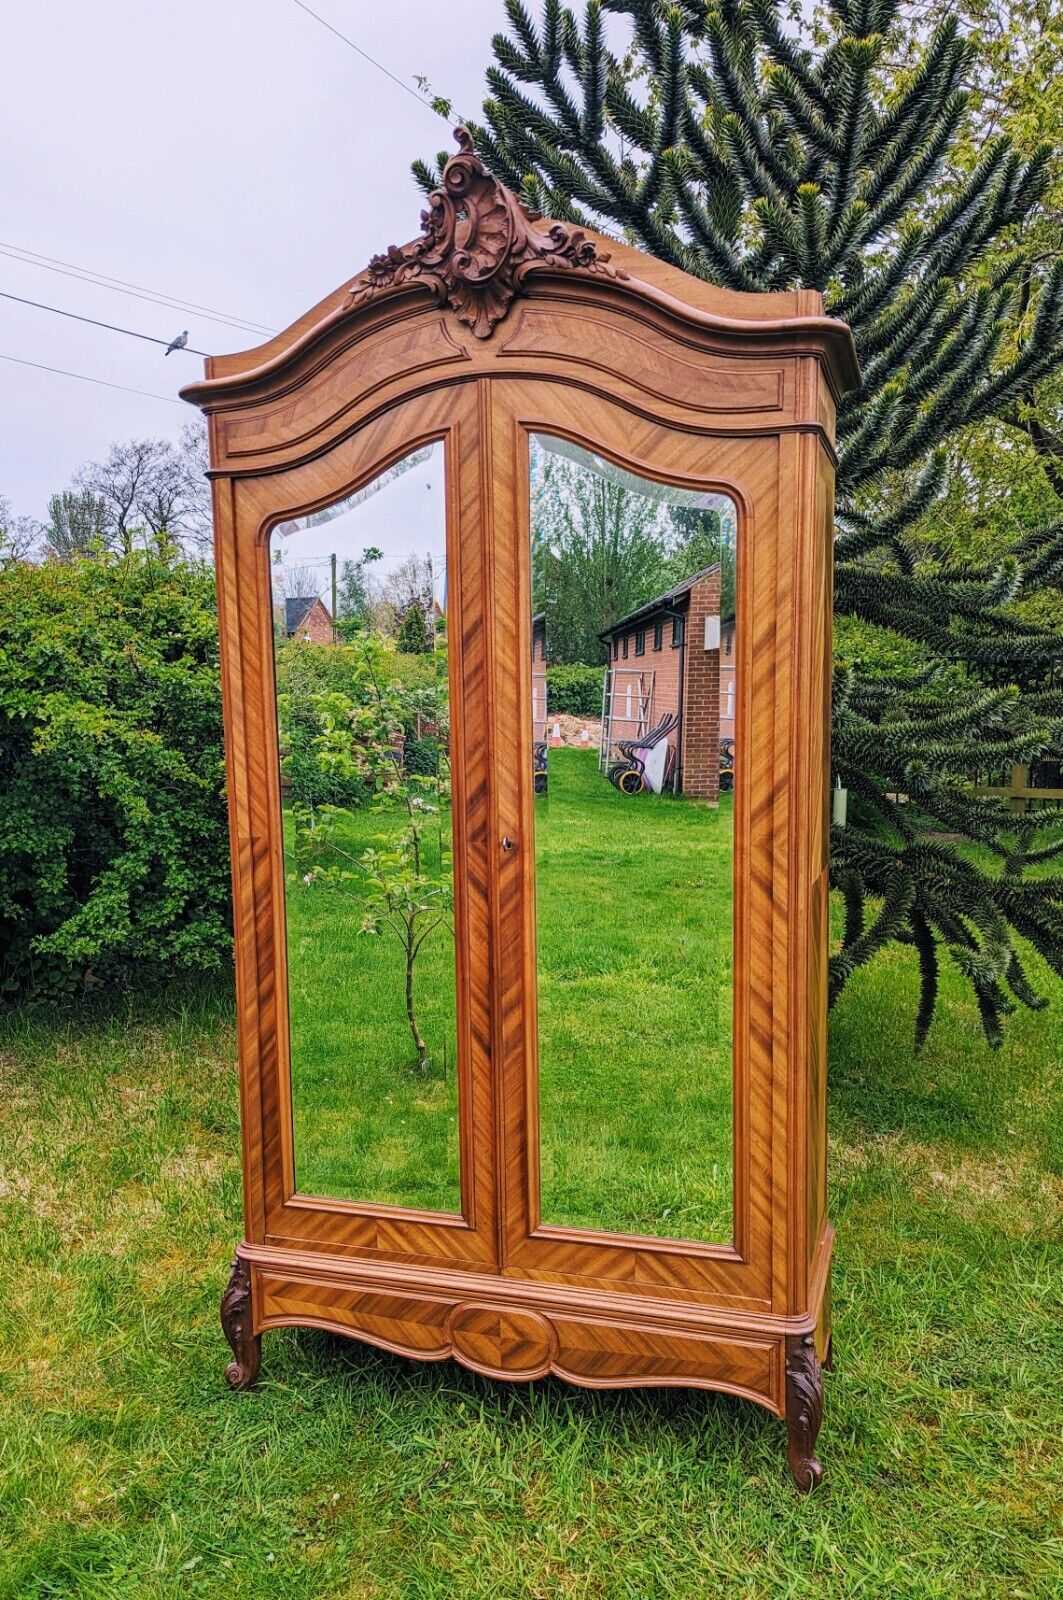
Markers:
point(77, 524)
point(598, 552)
point(113, 838)
point(703, 542)
point(353, 597)
point(761, 154)
point(412, 636)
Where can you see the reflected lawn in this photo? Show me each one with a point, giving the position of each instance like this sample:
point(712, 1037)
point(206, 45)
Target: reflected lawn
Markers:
point(634, 935)
point(368, 1125)
point(634, 931)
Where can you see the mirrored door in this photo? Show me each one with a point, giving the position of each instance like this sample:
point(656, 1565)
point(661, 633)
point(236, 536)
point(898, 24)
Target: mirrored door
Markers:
point(360, 601)
point(632, 762)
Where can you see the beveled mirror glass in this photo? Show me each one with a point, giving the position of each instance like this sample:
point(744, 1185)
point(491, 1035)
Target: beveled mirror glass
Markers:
point(632, 766)
point(360, 650)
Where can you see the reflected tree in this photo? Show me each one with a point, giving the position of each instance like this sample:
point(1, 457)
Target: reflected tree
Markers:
point(599, 550)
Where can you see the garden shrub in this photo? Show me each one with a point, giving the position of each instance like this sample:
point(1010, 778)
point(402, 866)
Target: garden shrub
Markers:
point(421, 755)
point(412, 638)
point(575, 691)
point(114, 860)
point(344, 666)
point(311, 783)
point(417, 672)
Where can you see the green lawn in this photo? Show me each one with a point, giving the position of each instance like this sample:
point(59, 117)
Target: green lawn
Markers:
point(634, 954)
point(633, 911)
point(368, 1125)
point(127, 1470)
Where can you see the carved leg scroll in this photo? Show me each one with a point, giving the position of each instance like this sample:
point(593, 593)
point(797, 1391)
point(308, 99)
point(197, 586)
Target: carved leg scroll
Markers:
point(804, 1409)
point(236, 1325)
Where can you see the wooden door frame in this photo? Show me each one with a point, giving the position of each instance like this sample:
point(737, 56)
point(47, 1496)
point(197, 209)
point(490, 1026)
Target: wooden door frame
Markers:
point(736, 1271)
point(277, 1213)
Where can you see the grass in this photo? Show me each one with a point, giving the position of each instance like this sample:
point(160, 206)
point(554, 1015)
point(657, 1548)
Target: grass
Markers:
point(633, 914)
point(367, 1124)
point(635, 1079)
point(128, 1472)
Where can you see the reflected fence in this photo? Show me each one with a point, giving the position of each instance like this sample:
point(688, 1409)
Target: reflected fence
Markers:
point(1036, 787)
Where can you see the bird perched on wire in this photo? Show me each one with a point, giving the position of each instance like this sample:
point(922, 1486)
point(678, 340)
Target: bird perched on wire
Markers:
point(178, 343)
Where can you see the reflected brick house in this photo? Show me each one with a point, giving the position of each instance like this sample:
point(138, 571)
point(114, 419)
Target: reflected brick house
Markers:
point(673, 655)
point(308, 618)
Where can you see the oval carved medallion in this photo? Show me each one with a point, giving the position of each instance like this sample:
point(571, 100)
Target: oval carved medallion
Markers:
point(500, 1339)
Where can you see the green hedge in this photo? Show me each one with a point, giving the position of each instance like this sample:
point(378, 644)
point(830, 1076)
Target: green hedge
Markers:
point(421, 755)
point(113, 841)
point(574, 690)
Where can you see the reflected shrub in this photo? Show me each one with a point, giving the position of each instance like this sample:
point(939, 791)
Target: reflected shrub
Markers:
point(574, 691)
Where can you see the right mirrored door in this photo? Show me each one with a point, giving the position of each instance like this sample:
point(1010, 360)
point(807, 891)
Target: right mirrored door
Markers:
point(633, 763)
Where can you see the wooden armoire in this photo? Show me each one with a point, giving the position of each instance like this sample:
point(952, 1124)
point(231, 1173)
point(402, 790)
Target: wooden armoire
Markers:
point(493, 331)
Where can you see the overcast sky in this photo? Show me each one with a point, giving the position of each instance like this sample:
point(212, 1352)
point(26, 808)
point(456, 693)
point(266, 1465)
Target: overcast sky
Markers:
point(228, 152)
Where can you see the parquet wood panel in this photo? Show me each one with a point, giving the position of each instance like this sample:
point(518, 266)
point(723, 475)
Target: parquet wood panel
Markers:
point(523, 1342)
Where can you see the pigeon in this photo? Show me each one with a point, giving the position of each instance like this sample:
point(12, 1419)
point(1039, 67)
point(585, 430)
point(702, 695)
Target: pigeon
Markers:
point(178, 343)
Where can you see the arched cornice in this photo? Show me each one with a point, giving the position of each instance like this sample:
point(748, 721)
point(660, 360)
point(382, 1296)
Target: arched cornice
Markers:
point(480, 249)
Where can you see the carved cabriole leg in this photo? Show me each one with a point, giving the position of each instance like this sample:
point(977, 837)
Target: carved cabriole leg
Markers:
point(804, 1409)
point(236, 1324)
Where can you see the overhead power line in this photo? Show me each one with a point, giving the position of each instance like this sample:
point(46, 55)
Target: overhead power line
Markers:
point(70, 269)
point(170, 399)
point(373, 62)
point(112, 327)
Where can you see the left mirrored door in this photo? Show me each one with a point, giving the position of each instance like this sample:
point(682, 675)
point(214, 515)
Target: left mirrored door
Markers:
point(359, 594)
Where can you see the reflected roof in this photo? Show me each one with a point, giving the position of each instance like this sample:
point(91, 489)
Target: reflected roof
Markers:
point(663, 602)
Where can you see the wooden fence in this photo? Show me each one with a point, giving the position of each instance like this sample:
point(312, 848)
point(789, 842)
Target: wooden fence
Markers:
point(1029, 786)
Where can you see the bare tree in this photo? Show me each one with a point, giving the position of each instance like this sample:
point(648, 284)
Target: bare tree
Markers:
point(162, 502)
point(298, 582)
point(408, 583)
point(124, 482)
point(197, 530)
point(155, 486)
point(20, 537)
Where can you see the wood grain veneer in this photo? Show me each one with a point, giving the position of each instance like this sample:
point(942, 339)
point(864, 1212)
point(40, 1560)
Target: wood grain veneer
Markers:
point(490, 326)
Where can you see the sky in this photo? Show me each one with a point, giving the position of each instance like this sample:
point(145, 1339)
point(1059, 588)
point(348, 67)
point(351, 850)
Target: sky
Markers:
point(231, 153)
point(404, 515)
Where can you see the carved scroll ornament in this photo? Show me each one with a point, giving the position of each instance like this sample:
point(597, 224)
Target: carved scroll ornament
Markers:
point(236, 1324)
point(477, 246)
point(804, 1409)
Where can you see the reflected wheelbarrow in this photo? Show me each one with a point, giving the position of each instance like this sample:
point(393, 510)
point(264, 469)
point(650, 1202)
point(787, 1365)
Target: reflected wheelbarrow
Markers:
point(539, 767)
point(727, 765)
point(645, 763)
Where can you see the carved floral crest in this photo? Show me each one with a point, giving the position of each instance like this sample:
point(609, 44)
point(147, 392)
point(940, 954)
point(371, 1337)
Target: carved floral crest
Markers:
point(477, 245)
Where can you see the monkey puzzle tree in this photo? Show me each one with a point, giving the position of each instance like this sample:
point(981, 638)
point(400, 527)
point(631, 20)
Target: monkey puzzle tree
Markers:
point(760, 152)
